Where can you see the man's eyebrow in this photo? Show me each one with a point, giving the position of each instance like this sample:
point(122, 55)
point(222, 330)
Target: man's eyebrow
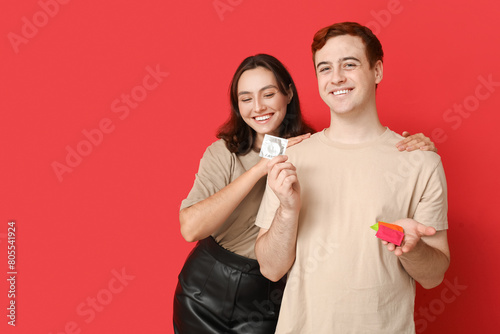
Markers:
point(323, 63)
point(340, 60)
point(349, 58)
point(260, 90)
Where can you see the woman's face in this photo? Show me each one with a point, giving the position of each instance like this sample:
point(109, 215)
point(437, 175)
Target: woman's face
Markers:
point(262, 105)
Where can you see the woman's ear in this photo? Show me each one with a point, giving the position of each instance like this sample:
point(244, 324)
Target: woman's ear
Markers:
point(290, 93)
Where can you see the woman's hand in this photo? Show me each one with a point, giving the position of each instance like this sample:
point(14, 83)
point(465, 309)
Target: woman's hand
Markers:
point(261, 167)
point(414, 142)
point(295, 140)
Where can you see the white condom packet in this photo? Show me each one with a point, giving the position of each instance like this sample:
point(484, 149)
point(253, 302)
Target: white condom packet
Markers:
point(273, 146)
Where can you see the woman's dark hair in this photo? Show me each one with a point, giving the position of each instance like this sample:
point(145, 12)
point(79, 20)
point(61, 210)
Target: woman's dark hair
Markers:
point(239, 136)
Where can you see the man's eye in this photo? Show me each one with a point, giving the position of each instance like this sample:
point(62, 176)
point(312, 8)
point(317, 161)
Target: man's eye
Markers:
point(324, 69)
point(350, 65)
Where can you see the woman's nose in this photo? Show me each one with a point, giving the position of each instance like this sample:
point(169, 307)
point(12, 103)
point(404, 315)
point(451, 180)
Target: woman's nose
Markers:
point(259, 105)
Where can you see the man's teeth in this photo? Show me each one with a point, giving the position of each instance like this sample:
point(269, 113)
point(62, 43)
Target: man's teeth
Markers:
point(262, 118)
point(344, 91)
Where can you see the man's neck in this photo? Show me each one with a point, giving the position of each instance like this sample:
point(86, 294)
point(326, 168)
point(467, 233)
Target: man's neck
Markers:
point(354, 128)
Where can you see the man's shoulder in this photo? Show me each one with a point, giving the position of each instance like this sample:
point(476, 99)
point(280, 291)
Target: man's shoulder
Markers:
point(306, 145)
point(424, 159)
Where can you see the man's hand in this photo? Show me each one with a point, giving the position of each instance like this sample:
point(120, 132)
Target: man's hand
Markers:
point(275, 247)
point(282, 178)
point(414, 231)
point(425, 260)
point(414, 142)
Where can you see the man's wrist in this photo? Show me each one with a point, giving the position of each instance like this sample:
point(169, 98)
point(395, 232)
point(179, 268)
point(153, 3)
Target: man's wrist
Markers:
point(291, 212)
point(416, 253)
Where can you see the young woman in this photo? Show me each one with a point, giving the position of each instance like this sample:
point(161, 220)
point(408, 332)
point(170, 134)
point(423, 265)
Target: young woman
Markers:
point(220, 288)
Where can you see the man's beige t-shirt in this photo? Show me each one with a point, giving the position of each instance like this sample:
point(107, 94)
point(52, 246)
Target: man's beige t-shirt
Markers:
point(218, 168)
point(344, 280)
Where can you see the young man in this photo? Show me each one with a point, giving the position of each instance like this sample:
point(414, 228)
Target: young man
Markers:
point(320, 202)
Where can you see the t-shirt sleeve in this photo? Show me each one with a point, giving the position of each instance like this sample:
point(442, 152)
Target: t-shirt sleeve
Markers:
point(267, 210)
point(214, 173)
point(432, 210)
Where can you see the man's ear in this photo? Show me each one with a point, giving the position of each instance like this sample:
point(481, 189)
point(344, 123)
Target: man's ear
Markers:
point(379, 71)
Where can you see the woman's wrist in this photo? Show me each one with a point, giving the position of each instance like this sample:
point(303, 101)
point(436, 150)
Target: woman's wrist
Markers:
point(260, 168)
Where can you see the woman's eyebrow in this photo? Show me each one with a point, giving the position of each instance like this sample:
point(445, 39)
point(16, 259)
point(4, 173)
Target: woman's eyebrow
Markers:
point(260, 90)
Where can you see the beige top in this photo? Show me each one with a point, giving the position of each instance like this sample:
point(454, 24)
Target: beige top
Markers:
point(218, 168)
point(344, 280)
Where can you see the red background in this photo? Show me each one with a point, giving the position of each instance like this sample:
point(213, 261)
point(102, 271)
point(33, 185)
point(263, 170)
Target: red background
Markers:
point(118, 208)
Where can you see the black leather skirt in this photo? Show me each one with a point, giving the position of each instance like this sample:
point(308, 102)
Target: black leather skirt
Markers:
point(221, 292)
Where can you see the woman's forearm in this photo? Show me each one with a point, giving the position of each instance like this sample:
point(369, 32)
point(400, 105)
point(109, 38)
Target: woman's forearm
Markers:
point(205, 217)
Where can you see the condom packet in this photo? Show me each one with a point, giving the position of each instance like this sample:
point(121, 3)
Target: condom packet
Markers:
point(389, 232)
point(272, 146)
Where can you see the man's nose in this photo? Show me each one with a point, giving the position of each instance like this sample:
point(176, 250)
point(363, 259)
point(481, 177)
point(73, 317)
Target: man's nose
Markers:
point(338, 76)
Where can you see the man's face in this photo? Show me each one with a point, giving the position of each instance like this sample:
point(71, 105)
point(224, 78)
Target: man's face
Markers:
point(345, 81)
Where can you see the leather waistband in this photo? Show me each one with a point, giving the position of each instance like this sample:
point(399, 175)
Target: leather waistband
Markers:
point(229, 258)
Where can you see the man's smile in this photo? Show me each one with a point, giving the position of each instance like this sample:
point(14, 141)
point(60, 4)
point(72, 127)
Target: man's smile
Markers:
point(342, 91)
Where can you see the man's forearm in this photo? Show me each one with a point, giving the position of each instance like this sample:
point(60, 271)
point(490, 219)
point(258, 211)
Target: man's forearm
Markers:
point(275, 249)
point(426, 264)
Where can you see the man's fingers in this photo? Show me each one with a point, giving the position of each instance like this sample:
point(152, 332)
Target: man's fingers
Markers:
point(398, 251)
point(274, 161)
point(425, 230)
point(409, 243)
point(411, 240)
point(283, 174)
point(280, 171)
point(390, 246)
point(277, 159)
